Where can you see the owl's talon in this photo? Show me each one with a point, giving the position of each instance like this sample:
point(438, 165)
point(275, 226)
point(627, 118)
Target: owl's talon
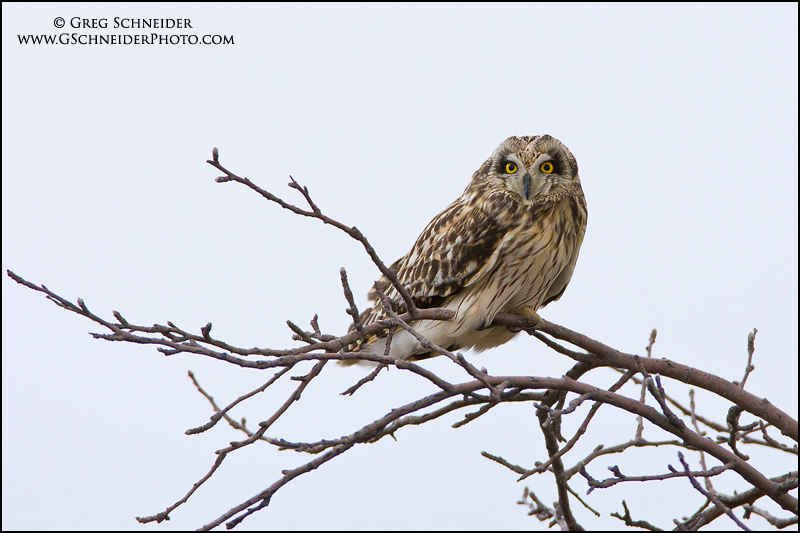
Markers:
point(532, 320)
point(533, 324)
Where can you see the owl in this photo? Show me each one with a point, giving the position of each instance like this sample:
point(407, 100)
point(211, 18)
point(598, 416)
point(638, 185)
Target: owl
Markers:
point(508, 244)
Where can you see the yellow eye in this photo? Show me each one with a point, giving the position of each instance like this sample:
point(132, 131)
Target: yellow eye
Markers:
point(547, 167)
point(511, 168)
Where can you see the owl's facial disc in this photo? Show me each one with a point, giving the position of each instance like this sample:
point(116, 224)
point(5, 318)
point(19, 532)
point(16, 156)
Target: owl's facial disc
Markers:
point(534, 170)
point(528, 183)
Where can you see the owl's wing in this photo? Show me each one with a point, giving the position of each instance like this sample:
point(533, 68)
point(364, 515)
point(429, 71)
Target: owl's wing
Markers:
point(457, 248)
point(559, 285)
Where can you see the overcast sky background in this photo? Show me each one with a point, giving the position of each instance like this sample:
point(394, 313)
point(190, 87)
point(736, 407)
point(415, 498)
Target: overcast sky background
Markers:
point(683, 120)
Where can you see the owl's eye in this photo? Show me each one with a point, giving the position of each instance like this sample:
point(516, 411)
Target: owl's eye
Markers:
point(547, 167)
point(511, 168)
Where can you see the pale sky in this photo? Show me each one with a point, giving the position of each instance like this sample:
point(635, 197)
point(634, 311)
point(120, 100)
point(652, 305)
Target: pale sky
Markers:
point(683, 120)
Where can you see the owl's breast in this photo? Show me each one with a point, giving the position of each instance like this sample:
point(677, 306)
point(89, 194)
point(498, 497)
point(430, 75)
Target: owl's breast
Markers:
point(533, 255)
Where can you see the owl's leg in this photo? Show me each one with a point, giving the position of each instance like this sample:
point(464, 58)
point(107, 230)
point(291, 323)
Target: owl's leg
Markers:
point(485, 324)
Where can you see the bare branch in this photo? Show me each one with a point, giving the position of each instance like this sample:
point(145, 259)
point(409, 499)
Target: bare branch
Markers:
point(779, 523)
point(367, 379)
point(353, 309)
point(786, 482)
point(536, 507)
point(643, 394)
point(619, 477)
point(315, 213)
point(710, 495)
point(709, 483)
point(751, 348)
point(481, 394)
point(578, 434)
point(629, 521)
point(220, 413)
point(514, 468)
point(606, 356)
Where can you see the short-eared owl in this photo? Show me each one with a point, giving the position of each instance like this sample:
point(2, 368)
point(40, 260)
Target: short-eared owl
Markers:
point(508, 244)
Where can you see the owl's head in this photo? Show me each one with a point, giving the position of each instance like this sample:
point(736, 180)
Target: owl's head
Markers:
point(531, 169)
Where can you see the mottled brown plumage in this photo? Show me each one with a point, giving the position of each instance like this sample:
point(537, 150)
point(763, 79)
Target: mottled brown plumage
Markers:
point(508, 244)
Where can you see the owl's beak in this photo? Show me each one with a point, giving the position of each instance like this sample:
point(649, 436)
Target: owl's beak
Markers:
point(531, 186)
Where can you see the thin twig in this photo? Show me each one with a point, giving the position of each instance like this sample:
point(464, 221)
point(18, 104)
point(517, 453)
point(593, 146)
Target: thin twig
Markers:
point(751, 348)
point(353, 232)
point(643, 393)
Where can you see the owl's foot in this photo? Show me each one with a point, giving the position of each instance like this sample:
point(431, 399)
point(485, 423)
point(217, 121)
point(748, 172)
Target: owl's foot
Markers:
point(532, 320)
